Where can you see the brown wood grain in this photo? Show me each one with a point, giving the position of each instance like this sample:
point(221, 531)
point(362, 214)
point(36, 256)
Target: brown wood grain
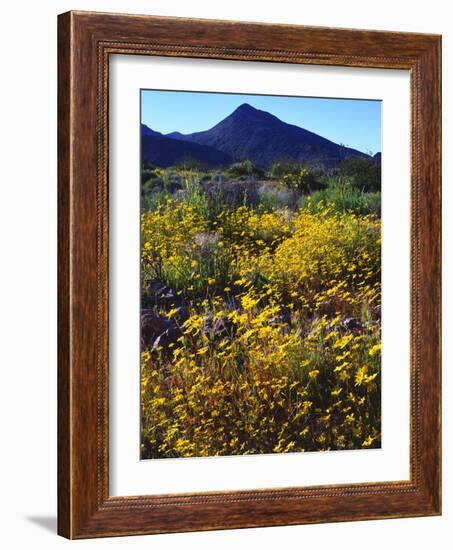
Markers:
point(85, 42)
point(64, 373)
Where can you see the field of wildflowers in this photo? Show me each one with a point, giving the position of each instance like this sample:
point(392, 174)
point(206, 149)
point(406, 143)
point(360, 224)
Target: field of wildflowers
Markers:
point(260, 326)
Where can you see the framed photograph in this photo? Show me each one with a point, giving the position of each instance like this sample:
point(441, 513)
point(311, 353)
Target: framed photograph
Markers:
point(249, 275)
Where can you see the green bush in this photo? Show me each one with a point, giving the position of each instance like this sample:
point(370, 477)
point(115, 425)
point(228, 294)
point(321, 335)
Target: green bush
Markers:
point(152, 199)
point(274, 194)
point(295, 177)
point(280, 169)
point(365, 174)
point(342, 193)
point(244, 168)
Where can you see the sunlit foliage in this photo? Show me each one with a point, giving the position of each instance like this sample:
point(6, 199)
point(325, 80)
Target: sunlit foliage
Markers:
point(296, 364)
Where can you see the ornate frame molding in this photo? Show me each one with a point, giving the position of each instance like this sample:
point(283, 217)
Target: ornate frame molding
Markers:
point(86, 40)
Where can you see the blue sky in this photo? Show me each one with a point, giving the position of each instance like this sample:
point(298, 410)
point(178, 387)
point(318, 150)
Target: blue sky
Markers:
point(354, 123)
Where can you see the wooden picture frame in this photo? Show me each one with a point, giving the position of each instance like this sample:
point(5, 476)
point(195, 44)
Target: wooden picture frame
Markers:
point(85, 41)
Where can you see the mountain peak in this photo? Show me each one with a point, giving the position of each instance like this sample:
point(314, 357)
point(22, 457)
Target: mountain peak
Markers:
point(251, 114)
point(257, 135)
point(246, 108)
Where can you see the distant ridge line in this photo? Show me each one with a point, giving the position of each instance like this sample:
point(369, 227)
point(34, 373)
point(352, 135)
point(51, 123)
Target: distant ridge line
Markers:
point(247, 133)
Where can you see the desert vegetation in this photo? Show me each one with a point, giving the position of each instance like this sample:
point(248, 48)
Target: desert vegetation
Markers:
point(260, 308)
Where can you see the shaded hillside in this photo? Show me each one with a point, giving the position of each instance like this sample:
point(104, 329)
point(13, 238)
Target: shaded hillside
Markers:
point(145, 131)
point(250, 133)
point(162, 151)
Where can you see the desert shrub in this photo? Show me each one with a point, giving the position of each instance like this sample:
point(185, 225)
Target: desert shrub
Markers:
point(191, 165)
point(205, 272)
point(159, 184)
point(365, 174)
point(151, 173)
point(344, 198)
point(194, 195)
point(244, 168)
point(281, 169)
point(294, 176)
point(210, 199)
point(296, 364)
point(167, 233)
point(274, 195)
point(262, 390)
point(152, 199)
point(232, 194)
point(249, 229)
point(331, 260)
point(179, 249)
